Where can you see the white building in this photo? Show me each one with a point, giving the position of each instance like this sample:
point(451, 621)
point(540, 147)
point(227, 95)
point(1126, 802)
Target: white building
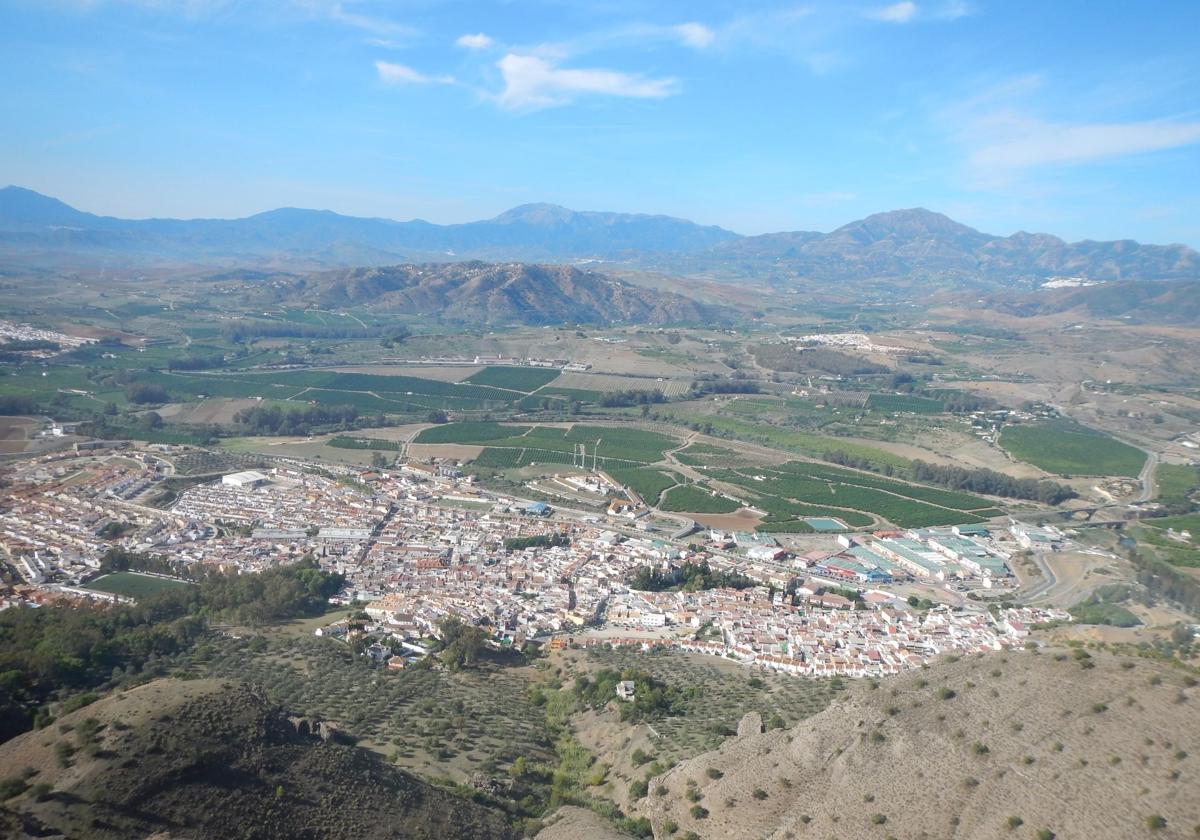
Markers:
point(246, 480)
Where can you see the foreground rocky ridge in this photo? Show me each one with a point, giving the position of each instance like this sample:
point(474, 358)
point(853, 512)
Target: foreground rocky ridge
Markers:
point(214, 759)
point(1088, 746)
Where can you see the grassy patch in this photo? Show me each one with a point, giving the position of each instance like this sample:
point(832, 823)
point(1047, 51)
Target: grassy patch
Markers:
point(132, 584)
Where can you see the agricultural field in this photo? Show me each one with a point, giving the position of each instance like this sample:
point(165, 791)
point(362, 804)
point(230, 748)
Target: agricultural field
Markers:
point(1176, 483)
point(605, 383)
point(349, 442)
point(615, 443)
point(796, 490)
point(691, 498)
point(211, 461)
point(525, 379)
point(904, 403)
point(1066, 448)
point(1166, 537)
point(788, 439)
point(133, 585)
point(650, 484)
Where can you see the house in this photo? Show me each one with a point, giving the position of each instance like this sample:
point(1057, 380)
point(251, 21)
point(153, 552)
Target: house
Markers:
point(625, 689)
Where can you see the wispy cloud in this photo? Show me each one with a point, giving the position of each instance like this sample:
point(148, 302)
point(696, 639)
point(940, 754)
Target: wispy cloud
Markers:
point(901, 12)
point(476, 41)
point(346, 15)
point(1003, 134)
point(391, 73)
point(533, 82)
point(1010, 141)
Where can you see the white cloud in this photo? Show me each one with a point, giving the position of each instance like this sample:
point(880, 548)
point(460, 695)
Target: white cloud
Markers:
point(901, 12)
point(400, 74)
point(532, 82)
point(694, 34)
point(476, 41)
point(1009, 141)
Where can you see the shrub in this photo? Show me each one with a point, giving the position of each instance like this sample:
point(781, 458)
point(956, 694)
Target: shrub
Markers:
point(980, 748)
point(1045, 834)
point(638, 789)
point(760, 794)
point(878, 819)
point(946, 693)
point(670, 826)
point(698, 812)
point(1156, 822)
point(1014, 823)
point(11, 787)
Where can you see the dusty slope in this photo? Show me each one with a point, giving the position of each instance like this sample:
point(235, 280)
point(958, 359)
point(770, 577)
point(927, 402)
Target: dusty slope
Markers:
point(1088, 753)
point(212, 759)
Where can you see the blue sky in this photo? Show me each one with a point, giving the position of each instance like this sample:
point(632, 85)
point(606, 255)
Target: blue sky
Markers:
point(1075, 118)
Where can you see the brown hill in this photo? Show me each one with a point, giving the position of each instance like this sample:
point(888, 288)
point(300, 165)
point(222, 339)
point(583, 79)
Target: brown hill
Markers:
point(213, 759)
point(1013, 745)
point(509, 293)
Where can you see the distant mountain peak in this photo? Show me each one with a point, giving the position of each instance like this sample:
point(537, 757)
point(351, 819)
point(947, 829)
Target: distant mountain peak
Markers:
point(537, 213)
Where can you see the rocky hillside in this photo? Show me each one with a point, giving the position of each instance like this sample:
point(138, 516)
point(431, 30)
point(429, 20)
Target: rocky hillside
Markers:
point(211, 759)
point(509, 293)
point(1055, 744)
point(1164, 303)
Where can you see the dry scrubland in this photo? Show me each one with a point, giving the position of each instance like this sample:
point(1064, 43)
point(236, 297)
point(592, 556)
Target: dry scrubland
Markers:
point(1085, 745)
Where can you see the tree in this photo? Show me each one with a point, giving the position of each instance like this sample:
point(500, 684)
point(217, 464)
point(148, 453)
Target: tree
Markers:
point(461, 643)
point(436, 416)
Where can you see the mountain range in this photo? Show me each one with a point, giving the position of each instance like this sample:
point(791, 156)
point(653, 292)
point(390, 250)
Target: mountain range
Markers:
point(908, 244)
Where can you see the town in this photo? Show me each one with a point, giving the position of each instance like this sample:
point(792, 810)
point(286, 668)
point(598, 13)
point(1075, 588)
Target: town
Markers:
point(417, 543)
